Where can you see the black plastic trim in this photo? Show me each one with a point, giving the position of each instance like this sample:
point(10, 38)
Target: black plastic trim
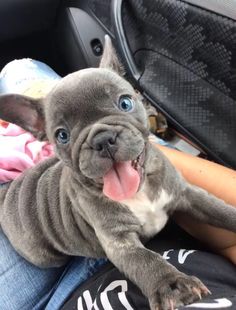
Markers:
point(116, 9)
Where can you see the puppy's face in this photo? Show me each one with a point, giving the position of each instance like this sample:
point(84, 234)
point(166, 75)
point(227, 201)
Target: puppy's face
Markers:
point(99, 127)
point(97, 123)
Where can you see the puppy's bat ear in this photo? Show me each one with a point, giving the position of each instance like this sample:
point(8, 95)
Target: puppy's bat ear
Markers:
point(25, 112)
point(109, 58)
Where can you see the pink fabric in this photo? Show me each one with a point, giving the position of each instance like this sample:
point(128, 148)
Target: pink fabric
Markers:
point(19, 151)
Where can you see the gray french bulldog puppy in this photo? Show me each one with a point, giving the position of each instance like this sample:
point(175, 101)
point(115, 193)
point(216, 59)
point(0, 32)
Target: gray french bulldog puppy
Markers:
point(107, 190)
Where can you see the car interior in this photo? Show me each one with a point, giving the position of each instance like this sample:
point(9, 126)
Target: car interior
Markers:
point(63, 34)
point(68, 35)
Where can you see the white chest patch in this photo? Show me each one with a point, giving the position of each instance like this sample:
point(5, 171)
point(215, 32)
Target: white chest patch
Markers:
point(151, 214)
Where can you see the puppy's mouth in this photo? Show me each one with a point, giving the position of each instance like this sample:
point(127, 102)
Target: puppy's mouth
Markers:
point(124, 179)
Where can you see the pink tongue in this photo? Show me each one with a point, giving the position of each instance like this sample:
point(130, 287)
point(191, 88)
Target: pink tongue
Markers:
point(121, 182)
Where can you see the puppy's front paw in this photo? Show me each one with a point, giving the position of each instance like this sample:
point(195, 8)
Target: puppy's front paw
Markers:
point(176, 289)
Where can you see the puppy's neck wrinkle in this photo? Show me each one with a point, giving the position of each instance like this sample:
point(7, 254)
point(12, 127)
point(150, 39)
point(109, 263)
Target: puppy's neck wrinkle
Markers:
point(77, 180)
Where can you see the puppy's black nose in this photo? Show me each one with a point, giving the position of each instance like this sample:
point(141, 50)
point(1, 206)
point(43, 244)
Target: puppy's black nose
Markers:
point(105, 143)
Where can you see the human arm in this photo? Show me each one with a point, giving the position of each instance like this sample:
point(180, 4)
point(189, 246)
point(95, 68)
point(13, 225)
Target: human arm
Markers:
point(216, 179)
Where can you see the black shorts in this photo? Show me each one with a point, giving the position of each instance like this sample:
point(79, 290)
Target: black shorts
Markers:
point(110, 290)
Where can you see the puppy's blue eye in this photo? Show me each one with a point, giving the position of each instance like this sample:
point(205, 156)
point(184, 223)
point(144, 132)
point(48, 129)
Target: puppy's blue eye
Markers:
point(62, 136)
point(126, 104)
